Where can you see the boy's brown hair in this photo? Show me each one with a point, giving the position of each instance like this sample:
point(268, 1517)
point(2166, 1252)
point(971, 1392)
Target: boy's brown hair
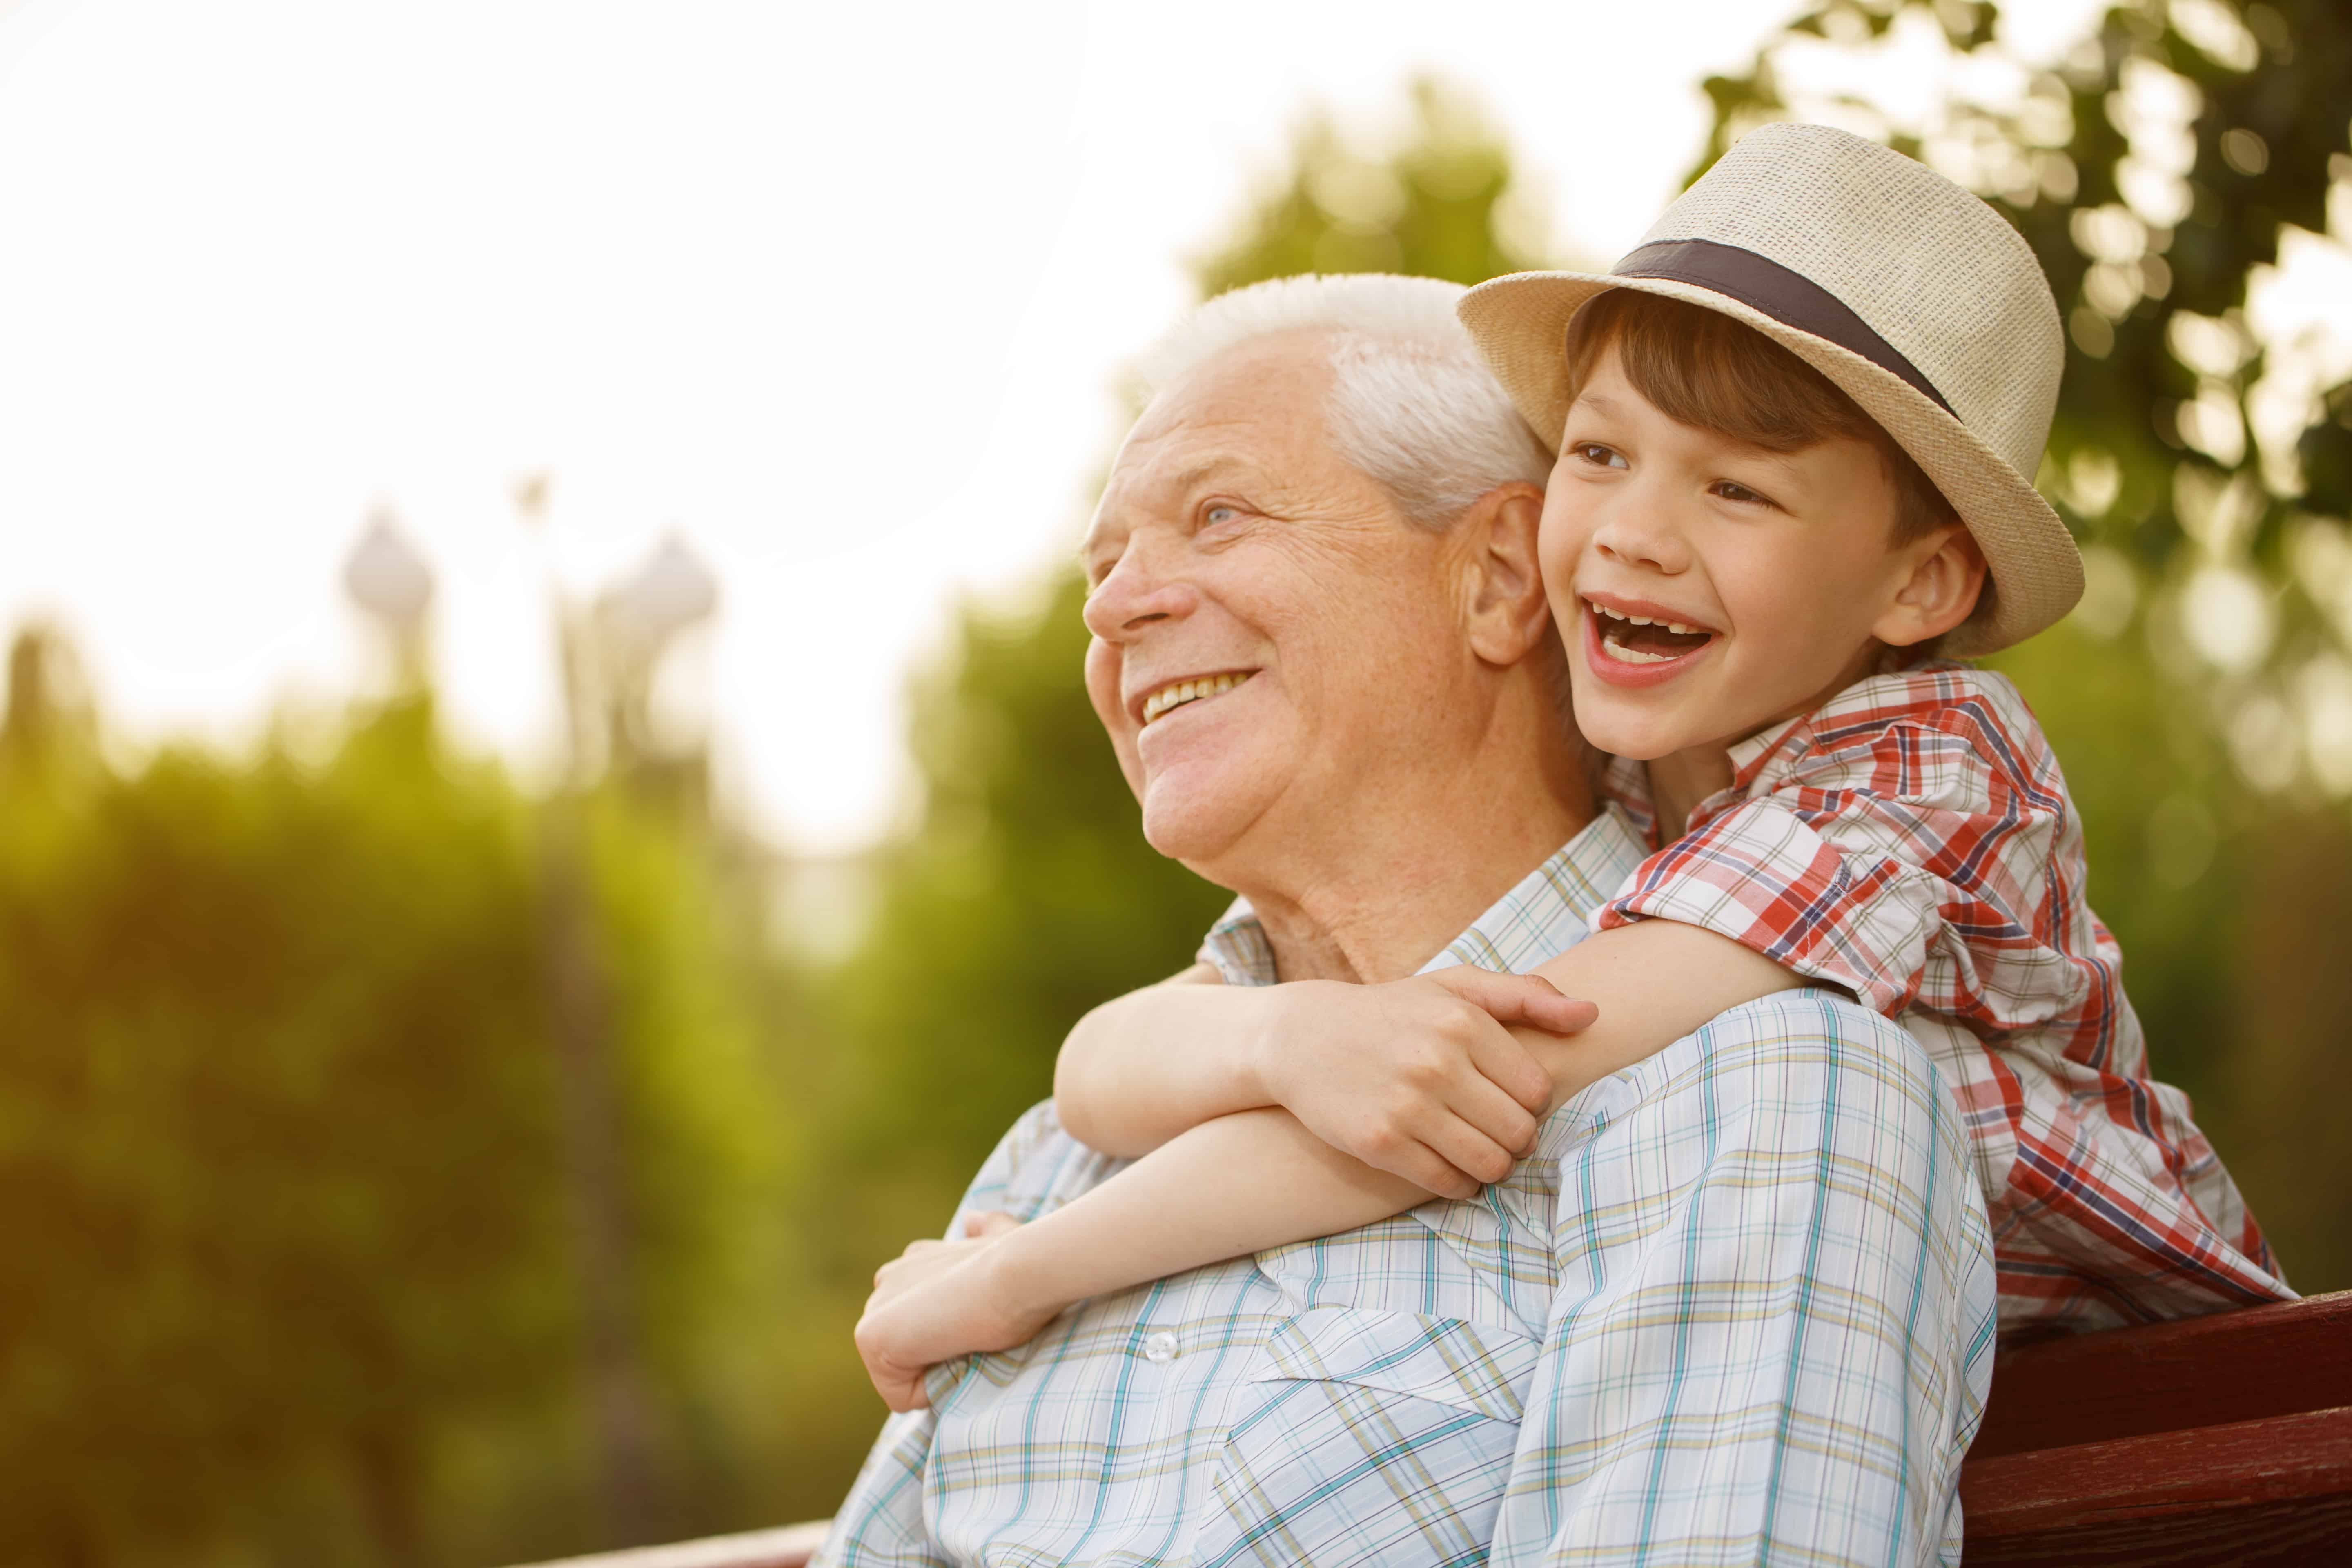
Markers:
point(1702, 369)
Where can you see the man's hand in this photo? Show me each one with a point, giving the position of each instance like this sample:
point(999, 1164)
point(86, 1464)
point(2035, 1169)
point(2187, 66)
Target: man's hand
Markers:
point(1420, 1078)
point(936, 1300)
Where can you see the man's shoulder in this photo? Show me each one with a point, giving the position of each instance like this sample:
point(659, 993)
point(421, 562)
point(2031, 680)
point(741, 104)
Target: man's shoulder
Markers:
point(1800, 1022)
point(1037, 1166)
point(1796, 1046)
point(1801, 1011)
point(1035, 1128)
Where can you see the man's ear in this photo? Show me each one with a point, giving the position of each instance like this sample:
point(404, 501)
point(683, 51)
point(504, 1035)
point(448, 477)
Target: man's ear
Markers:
point(1945, 578)
point(1502, 576)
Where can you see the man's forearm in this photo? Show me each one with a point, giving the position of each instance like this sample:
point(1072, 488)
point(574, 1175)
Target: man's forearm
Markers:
point(1226, 1188)
point(1141, 1069)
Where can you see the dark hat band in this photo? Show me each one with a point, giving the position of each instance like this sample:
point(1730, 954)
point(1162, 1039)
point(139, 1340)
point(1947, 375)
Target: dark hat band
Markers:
point(1790, 298)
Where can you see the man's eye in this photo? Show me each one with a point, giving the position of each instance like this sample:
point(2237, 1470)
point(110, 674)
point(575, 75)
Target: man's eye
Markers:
point(1217, 514)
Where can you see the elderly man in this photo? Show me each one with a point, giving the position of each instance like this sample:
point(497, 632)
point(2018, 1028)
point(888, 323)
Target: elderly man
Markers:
point(1737, 1307)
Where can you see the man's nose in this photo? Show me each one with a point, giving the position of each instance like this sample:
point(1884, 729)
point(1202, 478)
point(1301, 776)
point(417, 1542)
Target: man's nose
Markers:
point(1138, 592)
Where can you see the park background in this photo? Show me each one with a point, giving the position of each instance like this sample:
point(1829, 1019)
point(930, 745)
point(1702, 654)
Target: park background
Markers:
point(408, 1156)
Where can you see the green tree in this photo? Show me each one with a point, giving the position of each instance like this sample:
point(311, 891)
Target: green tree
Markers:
point(1432, 208)
point(293, 1273)
point(2154, 169)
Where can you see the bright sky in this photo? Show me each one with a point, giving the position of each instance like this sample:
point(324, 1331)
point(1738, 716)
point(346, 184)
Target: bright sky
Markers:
point(840, 292)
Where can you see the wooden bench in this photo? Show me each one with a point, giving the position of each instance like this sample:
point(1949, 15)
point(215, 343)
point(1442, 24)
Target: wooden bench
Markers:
point(2210, 1442)
point(790, 1547)
point(2215, 1440)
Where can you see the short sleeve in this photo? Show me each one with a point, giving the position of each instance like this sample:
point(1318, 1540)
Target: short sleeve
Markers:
point(1921, 855)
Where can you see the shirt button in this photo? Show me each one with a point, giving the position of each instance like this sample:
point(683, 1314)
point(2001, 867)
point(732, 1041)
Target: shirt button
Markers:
point(1159, 1348)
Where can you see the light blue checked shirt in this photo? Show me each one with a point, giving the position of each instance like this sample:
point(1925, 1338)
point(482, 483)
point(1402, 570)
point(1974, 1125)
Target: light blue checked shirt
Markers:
point(1738, 1308)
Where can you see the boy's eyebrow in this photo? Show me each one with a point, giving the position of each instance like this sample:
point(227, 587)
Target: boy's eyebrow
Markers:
point(1766, 457)
point(1607, 407)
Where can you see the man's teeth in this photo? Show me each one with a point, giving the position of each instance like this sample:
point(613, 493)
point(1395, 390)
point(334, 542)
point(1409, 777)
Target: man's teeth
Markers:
point(1184, 691)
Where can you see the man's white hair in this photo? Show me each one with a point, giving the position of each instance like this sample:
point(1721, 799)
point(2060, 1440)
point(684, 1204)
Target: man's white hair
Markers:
point(1412, 405)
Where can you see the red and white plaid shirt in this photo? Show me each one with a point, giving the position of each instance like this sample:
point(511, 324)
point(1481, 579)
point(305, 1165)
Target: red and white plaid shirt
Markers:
point(1912, 842)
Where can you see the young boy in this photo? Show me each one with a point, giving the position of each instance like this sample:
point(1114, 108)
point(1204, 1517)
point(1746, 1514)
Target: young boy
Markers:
point(1794, 435)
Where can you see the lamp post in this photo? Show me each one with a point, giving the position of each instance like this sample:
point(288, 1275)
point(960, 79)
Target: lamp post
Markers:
point(393, 586)
point(636, 623)
point(610, 655)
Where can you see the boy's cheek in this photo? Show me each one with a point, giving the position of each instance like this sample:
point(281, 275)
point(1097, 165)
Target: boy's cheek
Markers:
point(1556, 558)
point(1560, 590)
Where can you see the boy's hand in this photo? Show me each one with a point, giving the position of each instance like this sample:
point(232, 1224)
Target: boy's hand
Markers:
point(936, 1300)
point(1420, 1076)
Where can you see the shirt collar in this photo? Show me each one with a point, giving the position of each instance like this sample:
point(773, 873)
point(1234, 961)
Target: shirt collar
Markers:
point(1626, 783)
point(1544, 916)
point(1749, 756)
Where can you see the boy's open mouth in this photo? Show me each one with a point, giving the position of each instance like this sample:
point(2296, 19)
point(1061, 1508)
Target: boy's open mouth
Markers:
point(1626, 638)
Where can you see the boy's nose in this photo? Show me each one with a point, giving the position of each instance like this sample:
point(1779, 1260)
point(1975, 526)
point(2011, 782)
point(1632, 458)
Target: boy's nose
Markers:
point(1642, 535)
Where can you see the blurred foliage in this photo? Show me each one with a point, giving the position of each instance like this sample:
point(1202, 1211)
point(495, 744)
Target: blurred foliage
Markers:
point(294, 1264)
point(1434, 207)
point(2201, 699)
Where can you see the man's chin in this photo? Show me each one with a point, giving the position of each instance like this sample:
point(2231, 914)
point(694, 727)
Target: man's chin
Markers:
point(1197, 821)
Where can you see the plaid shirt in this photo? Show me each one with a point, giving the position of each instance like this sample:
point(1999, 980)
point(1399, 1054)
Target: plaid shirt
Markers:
point(1912, 842)
point(1738, 1306)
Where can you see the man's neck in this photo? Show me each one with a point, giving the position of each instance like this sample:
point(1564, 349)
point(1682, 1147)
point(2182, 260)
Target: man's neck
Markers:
point(1378, 905)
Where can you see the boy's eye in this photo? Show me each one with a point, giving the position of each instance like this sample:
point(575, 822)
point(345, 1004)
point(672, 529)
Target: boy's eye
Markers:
point(1595, 453)
point(1730, 490)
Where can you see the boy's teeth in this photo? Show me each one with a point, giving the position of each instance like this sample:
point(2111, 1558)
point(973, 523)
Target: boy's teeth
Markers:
point(1675, 627)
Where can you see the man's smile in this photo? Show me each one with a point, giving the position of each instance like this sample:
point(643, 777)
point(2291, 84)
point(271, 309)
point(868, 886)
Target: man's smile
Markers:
point(1174, 694)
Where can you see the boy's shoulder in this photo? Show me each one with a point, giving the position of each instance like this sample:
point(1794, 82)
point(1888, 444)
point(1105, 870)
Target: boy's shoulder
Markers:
point(1941, 695)
point(1937, 728)
point(1921, 690)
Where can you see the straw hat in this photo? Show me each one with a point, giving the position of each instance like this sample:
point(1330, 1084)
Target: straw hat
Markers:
point(1913, 296)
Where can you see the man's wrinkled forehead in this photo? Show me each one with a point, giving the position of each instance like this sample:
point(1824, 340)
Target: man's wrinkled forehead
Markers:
point(1160, 464)
point(1163, 464)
